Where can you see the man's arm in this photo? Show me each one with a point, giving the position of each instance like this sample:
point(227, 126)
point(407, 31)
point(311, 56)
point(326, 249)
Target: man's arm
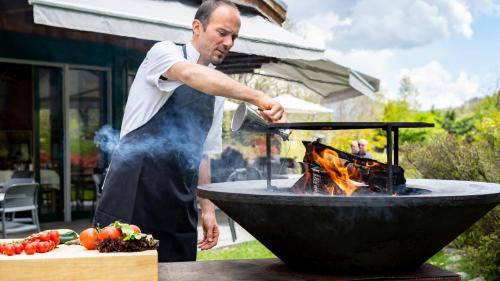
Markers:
point(210, 81)
point(208, 220)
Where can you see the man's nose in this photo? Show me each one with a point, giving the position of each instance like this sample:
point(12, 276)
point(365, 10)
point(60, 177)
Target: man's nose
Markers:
point(228, 42)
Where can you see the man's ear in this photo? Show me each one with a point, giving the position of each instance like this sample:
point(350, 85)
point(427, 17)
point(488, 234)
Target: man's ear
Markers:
point(197, 26)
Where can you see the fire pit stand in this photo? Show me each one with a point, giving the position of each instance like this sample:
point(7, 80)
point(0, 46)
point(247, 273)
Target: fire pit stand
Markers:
point(391, 129)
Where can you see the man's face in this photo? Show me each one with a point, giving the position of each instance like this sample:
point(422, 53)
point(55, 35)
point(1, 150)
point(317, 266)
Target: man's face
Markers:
point(217, 38)
point(362, 147)
point(354, 148)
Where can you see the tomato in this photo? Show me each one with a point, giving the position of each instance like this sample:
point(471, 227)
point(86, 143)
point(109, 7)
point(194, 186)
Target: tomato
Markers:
point(44, 236)
point(135, 228)
point(18, 248)
point(29, 249)
point(46, 246)
point(110, 232)
point(39, 247)
point(52, 245)
point(9, 250)
point(103, 234)
point(2, 246)
point(89, 238)
point(25, 242)
point(34, 237)
point(54, 236)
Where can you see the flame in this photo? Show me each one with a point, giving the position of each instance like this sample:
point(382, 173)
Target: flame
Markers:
point(334, 172)
point(339, 173)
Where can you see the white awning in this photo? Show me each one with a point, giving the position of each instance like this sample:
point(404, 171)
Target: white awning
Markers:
point(170, 21)
point(298, 60)
point(332, 81)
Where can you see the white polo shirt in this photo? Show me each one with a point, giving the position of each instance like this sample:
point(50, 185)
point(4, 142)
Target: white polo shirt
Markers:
point(149, 93)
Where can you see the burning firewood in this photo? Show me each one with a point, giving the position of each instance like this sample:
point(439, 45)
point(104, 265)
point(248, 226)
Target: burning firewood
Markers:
point(335, 172)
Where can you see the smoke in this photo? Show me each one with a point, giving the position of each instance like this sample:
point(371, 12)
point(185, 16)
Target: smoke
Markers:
point(107, 138)
point(176, 137)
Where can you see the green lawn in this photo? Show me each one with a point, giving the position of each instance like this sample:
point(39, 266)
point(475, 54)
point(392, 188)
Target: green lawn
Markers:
point(247, 250)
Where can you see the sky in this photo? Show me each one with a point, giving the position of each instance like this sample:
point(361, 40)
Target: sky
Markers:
point(450, 49)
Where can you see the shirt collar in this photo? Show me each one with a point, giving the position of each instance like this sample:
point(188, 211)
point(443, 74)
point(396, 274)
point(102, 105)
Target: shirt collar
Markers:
point(193, 55)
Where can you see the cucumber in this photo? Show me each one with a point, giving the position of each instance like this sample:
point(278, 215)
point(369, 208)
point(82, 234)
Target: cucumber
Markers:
point(66, 235)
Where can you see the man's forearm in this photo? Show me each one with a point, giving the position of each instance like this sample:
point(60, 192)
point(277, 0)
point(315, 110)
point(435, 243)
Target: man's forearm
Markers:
point(204, 177)
point(214, 82)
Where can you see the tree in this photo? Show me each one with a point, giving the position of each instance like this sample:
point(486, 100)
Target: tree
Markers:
point(454, 125)
point(408, 92)
point(405, 109)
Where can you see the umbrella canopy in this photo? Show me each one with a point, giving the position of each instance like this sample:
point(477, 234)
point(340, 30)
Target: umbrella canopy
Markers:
point(295, 105)
point(229, 105)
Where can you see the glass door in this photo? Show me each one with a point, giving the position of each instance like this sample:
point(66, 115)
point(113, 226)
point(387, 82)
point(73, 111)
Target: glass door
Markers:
point(48, 119)
point(87, 90)
point(31, 131)
point(16, 121)
point(49, 143)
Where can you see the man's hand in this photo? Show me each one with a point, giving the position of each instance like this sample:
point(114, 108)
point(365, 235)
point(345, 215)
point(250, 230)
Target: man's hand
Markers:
point(210, 231)
point(272, 111)
point(208, 220)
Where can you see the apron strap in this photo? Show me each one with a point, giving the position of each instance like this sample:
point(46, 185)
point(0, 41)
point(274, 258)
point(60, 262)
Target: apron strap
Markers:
point(184, 51)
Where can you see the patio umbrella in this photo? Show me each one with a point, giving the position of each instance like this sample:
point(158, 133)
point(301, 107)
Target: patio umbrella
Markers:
point(295, 105)
point(229, 105)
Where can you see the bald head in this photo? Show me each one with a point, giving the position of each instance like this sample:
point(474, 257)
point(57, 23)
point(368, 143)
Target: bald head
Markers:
point(215, 27)
point(206, 9)
point(363, 145)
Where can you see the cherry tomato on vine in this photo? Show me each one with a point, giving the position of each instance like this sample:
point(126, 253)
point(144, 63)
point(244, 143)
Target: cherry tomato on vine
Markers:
point(18, 248)
point(44, 236)
point(54, 236)
point(9, 250)
point(29, 249)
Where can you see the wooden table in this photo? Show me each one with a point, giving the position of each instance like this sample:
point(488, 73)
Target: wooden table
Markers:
point(76, 263)
point(276, 270)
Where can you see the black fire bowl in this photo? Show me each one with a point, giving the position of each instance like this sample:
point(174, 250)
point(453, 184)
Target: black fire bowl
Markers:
point(359, 234)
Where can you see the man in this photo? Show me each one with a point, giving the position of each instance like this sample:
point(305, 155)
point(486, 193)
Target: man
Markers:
point(354, 147)
point(363, 147)
point(172, 122)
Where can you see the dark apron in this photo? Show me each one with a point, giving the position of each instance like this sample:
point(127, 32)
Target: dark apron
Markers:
point(153, 175)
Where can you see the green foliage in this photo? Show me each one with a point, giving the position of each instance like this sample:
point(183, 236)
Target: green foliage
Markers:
point(452, 259)
point(405, 110)
point(482, 247)
point(450, 157)
point(487, 119)
point(455, 126)
point(447, 157)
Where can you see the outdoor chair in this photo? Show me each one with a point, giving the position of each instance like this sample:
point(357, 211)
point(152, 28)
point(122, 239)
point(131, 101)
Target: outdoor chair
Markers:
point(12, 181)
point(22, 174)
point(18, 197)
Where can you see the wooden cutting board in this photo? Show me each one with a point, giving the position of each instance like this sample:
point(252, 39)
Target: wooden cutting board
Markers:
point(74, 262)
